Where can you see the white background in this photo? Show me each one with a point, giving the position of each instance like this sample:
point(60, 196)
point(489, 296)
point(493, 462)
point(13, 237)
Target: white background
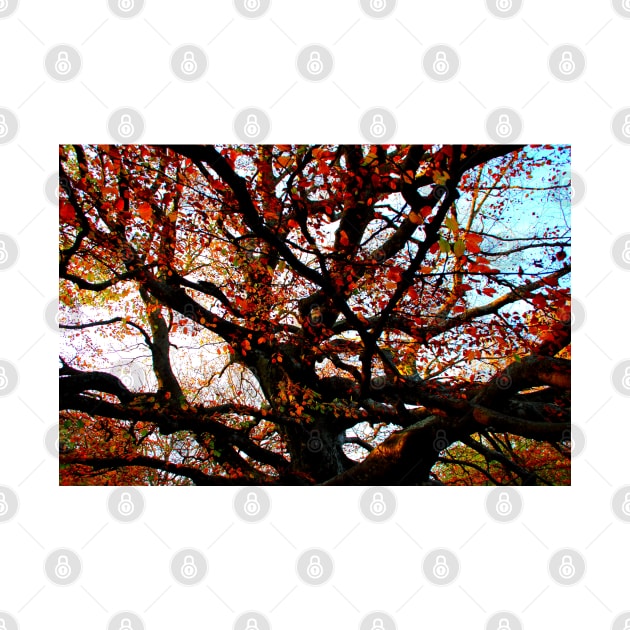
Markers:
point(504, 62)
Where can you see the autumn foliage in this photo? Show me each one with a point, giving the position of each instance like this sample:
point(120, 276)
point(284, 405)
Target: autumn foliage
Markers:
point(314, 315)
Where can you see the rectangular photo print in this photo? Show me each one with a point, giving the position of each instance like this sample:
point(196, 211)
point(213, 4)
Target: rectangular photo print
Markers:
point(315, 315)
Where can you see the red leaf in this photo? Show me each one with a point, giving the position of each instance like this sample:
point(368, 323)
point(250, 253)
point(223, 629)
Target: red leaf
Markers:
point(472, 242)
point(393, 273)
point(425, 211)
point(66, 213)
point(539, 301)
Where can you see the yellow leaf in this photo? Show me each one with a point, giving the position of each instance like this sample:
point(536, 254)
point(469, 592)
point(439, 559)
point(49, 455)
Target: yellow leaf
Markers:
point(441, 178)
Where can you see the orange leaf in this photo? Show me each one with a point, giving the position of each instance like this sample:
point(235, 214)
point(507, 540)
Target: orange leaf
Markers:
point(144, 211)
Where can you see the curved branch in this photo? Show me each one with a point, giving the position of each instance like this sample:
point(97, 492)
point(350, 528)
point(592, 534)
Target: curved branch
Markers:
point(406, 457)
point(78, 382)
point(192, 473)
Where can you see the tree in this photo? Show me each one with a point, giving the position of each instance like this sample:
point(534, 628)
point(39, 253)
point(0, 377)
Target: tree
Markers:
point(314, 314)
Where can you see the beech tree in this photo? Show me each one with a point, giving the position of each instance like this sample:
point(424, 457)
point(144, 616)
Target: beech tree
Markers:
point(372, 315)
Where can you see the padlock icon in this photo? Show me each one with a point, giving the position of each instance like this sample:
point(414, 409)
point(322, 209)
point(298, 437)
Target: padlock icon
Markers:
point(252, 127)
point(625, 129)
point(378, 5)
point(625, 506)
point(62, 568)
point(625, 254)
point(125, 5)
point(566, 437)
point(125, 505)
point(63, 65)
point(440, 568)
point(189, 311)
point(252, 505)
point(316, 315)
point(377, 505)
point(125, 624)
point(440, 442)
point(378, 624)
point(4, 381)
point(189, 568)
point(626, 378)
point(4, 128)
point(314, 443)
point(315, 570)
point(189, 64)
point(567, 64)
point(252, 624)
point(4, 506)
point(504, 624)
point(504, 5)
point(504, 505)
point(3, 625)
point(567, 569)
point(504, 126)
point(314, 64)
point(252, 5)
point(126, 377)
point(125, 127)
point(440, 63)
point(4, 254)
point(377, 128)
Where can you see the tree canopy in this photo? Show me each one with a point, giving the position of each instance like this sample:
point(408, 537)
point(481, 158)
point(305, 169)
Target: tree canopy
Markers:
point(331, 314)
